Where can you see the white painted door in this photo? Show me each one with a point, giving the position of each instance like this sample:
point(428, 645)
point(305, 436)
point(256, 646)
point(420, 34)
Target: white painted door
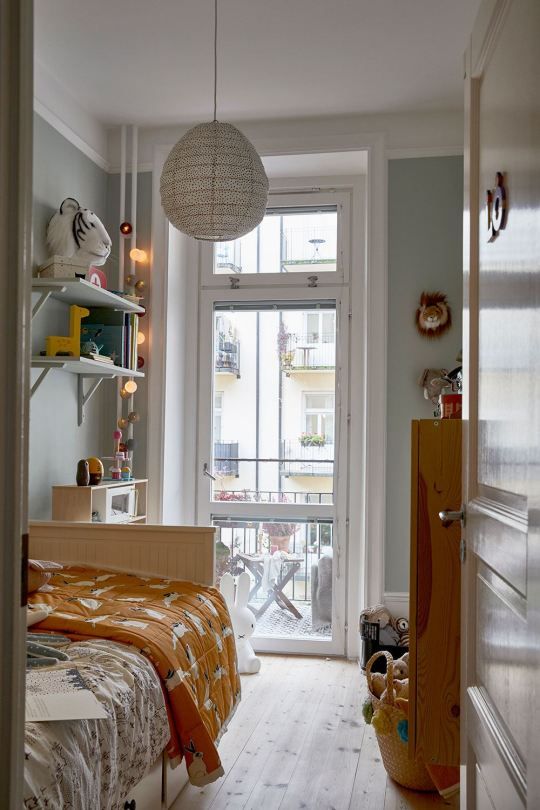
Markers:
point(500, 640)
point(16, 101)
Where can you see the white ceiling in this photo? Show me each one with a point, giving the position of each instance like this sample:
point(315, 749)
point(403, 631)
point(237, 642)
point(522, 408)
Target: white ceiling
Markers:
point(152, 63)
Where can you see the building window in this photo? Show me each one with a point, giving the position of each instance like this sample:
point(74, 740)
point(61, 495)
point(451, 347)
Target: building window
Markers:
point(320, 327)
point(319, 414)
point(218, 413)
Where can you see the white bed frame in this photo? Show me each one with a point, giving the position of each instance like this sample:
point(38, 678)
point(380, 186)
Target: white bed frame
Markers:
point(172, 552)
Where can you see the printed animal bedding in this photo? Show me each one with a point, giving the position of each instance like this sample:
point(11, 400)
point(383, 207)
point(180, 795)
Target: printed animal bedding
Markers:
point(184, 629)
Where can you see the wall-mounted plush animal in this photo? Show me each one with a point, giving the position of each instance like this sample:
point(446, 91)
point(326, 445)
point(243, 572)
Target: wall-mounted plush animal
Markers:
point(433, 316)
point(78, 232)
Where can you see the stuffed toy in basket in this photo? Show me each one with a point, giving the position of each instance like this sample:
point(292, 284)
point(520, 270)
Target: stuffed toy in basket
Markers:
point(388, 715)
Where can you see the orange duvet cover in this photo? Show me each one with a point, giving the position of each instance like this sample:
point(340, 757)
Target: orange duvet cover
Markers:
point(185, 631)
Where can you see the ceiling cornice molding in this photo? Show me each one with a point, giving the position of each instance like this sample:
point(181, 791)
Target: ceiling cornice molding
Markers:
point(56, 106)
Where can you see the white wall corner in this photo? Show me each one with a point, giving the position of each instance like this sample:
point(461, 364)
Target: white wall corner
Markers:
point(63, 112)
point(397, 603)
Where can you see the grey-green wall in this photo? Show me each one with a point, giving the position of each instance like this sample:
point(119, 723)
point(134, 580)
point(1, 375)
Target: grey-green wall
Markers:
point(56, 443)
point(144, 237)
point(425, 205)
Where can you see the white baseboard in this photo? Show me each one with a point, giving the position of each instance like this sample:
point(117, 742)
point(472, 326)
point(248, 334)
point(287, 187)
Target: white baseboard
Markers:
point(397, 603)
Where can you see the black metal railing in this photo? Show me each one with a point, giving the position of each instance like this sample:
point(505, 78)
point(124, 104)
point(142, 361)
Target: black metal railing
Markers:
point(310, 541)
point(227, 357)
point(273, 496)
point(225, 458)
point(297, 459)
point(313, 351)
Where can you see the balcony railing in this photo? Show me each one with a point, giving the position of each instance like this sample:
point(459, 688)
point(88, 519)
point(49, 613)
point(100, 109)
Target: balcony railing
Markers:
point(272, 496)
point(225, 458)
point(312, 351)
point(309, 541)
point(298, 460)
point(227, 360)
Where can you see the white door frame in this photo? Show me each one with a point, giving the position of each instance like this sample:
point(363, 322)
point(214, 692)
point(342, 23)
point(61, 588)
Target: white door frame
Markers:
point(338, 512)
point(368, 342)
point(16, 135)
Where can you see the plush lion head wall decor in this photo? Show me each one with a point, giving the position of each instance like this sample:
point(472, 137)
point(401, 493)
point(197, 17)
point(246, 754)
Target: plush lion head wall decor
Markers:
point(433, 316)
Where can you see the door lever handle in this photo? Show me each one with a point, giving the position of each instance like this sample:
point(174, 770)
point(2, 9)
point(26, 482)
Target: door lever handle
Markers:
point(207, 472)
point(447, 516)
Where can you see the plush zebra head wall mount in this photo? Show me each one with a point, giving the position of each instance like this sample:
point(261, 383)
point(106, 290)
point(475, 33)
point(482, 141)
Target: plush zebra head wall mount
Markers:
point(78, 232)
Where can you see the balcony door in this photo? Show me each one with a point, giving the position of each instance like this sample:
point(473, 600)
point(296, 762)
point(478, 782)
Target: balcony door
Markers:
point(273, 404)
point(270, 469)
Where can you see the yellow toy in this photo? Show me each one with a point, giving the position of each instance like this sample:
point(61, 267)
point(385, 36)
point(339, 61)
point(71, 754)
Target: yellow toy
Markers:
point(381, 721)
point(68, 345)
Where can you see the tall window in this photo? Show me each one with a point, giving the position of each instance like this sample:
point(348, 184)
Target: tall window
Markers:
point(319, 414)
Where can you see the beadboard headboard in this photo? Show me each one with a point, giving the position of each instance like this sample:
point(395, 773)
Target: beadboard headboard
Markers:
point(172, 552)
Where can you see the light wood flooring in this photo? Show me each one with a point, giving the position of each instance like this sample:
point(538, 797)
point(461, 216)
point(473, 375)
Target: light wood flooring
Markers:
point(298, 742)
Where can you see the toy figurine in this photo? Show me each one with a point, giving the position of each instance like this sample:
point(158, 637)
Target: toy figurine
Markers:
point(83, 473)
point(68, 345)
point(95, 468)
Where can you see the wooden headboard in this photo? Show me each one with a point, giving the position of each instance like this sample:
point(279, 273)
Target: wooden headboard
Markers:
point(172, 552)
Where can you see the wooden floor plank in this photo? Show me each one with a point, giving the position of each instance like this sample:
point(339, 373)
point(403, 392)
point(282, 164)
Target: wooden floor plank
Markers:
point(298, 742)
point(339, 767)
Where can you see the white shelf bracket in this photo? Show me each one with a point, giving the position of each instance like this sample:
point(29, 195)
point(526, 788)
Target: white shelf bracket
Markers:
point(39, 380)
point(83, 398)
point(45, 294)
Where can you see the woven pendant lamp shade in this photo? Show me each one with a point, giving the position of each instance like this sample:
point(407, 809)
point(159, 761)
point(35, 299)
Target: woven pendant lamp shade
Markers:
point(213, 184)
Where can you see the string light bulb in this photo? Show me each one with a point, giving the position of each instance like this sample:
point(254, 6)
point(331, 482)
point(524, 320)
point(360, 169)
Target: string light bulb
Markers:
point(126, 228)
point(141, 337)
point(124, 393)
point(138, 255)
point(130, 386)
point(122, 423)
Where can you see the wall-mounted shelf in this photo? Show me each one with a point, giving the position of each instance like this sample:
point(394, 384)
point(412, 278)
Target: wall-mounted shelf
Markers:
point(85, 368)
point(81, 292)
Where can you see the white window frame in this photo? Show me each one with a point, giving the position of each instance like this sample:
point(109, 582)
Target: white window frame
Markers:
point(292, 200)
point(368, 298)
point(336, 512)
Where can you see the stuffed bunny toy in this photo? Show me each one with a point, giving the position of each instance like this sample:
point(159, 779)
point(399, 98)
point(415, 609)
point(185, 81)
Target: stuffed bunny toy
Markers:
point(243, 620)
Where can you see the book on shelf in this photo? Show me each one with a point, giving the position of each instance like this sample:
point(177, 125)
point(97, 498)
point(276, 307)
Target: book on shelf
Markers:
point(102, 358)
point(117, 334)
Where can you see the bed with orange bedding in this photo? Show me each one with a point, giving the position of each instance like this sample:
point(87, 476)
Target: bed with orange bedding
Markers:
point(183, 628)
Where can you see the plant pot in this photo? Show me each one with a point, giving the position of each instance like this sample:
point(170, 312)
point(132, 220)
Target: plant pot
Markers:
point(280, 542)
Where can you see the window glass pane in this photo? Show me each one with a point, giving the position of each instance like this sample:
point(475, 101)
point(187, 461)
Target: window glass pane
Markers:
point(273, 425)
point(284, 242)
point(290, 564)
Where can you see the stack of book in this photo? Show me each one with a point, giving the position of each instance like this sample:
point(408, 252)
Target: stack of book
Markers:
point(115, 333)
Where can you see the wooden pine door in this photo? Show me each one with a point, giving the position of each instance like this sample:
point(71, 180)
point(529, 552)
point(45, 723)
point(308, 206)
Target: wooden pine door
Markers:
point(501, 577)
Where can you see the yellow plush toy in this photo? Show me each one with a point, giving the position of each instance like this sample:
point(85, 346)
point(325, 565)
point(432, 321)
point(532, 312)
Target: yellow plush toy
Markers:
point(381, 722)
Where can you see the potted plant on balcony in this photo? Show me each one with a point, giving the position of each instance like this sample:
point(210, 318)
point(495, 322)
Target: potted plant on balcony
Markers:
point(279, 534)
point(286, 355)
point(312, 439)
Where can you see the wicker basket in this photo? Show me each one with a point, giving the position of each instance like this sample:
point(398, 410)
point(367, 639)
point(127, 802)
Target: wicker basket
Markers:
point(411, 773)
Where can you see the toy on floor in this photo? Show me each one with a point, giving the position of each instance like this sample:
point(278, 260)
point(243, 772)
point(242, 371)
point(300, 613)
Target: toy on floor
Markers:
point(243, 620)
point(401, 667)
point(70, 344)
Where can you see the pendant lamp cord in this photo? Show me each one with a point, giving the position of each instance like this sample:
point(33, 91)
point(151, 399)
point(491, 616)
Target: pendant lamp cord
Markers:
point(215, 58)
